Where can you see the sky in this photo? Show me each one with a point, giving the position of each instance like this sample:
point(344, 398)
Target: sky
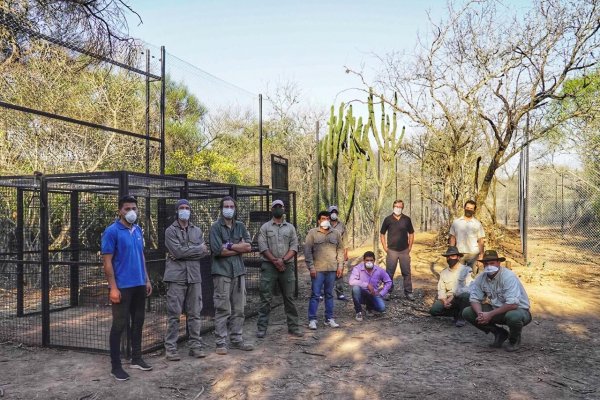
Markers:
point(254, 44)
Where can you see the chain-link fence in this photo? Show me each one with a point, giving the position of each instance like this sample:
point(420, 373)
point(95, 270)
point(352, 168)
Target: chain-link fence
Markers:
point(563, 206)
point(53, 291)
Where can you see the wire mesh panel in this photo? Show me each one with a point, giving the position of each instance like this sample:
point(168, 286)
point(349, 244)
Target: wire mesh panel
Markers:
point(20, 266)
point(53, 290)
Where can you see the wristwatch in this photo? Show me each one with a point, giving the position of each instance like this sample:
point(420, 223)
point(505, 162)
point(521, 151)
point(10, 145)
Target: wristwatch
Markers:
point(229, 245)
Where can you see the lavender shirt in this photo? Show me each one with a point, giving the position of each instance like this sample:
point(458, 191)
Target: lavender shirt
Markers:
point(362, 278)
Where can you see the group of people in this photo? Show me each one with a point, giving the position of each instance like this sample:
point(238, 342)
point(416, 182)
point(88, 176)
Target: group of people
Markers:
point(326, 255)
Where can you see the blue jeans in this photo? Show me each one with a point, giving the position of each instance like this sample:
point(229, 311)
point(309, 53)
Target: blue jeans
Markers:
point(362, 296)
point(327, 279)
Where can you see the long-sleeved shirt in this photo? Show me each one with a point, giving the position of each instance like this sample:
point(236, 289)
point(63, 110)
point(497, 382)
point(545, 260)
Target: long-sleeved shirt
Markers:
point(186, 247)
point(278, 238)
point(361, 277)
point(323, 251)
point(220, 233)
point(454, 281)
point(505, 288)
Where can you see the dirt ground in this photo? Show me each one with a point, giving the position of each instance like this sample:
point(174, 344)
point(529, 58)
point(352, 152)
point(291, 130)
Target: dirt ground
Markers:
point(404, 354)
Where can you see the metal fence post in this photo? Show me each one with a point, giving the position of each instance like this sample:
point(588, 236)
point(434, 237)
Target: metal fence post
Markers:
point(44, 262)
point(20, 253)
point(74, 233)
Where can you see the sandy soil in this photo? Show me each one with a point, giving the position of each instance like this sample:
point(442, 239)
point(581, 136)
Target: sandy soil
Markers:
point(402, 354)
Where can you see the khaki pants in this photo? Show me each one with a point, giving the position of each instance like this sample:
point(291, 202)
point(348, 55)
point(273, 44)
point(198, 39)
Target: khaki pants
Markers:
point(230, 301)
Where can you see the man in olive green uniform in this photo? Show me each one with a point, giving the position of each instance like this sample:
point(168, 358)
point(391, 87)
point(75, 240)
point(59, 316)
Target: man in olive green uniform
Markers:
point(278, 245)
point(229, 239)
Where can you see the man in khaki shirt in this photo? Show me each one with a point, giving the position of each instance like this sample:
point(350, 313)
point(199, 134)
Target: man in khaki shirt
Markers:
point(324, 255)
point(278, 245)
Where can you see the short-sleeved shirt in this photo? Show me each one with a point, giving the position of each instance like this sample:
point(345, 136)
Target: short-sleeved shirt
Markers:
point(127, 247)
point(467, 232)
point(397, 231)
point(454, 281)
point(220, 233)
point(278, 238)
point(505, 288)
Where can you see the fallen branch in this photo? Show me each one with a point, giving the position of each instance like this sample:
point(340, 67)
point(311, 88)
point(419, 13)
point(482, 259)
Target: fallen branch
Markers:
point(199, 393)
point(313, 354)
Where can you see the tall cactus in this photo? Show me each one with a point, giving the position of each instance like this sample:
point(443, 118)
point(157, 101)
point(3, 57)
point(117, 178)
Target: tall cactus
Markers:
point(388, 144)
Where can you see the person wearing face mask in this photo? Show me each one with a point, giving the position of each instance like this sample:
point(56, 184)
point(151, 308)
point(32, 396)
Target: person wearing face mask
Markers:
point(229, 239)
point(369, 284)
point(336, 223)
point(324, 256)
point(278, 246)
point(467, 234)
point(125, 269)
point(185, 245)
point(508, 302)
point(453, 288)
point(400, 238)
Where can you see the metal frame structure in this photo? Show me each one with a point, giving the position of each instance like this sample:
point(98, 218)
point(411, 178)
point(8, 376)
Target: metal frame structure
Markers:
point(54, 291)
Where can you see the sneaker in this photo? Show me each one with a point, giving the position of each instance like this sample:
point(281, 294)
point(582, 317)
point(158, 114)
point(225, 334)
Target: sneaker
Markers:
point(221, 349)
point(331, 323)
point(242, 346)
point(261, 334)
point(410, 296)
point(342, 297)
point(296, 332)
point(320, 298)
point(140, 364)
point(359, 317)
point(459, 323)
point(312, 324)
point(500, 335)
point(172, 356)
point(198, 353)
point(119, 374)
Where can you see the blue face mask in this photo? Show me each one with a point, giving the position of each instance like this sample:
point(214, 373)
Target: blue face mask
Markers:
point(183, 215)
point(228, 212)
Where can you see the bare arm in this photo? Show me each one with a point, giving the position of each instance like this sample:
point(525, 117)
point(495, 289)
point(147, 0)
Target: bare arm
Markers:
point(383, 242)
point(115, 293)
point(411, 240)
point(452, 240)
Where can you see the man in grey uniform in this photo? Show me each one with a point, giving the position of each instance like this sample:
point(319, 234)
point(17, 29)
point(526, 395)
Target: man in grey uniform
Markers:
point(185, 243)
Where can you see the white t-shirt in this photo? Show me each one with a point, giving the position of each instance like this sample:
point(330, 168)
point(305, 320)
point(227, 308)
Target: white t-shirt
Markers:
point(467, 232)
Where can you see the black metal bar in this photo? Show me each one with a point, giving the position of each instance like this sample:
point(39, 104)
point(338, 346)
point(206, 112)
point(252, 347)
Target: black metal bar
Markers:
point(74, 268)
point(45, 262)
point(147, 112)
point(295, 222)
point(260, 139)
point(20, 254)
point(318, 180)
point(123, 184)
point(163, 100)
point(77, 49)
point(73, 120)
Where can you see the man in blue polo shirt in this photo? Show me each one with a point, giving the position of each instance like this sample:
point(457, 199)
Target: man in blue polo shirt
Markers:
point(125, 269)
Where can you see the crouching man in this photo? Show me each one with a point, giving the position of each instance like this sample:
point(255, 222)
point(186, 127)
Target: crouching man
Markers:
point(509, 302)
point(369, 284)
point(453, 288)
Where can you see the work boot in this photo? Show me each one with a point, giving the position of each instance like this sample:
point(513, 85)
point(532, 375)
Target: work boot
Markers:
point(172, 355)
point(500, 335)
point(261, 333)
point(242, 346)
point(514, 344)
point(198, 353)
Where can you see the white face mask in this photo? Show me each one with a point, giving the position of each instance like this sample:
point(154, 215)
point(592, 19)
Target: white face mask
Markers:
point(228, 212)
point(369, 265)
point(334, 216)
point(131, 216)
point(325, 224)
point(184, 215)
point(398, 210)
point(490, 269)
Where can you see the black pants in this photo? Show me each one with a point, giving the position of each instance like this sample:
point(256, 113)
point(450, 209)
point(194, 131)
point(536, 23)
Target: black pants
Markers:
point(132, 304)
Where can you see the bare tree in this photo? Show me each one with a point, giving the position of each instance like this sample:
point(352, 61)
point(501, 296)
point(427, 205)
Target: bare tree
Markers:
point(488, 70)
